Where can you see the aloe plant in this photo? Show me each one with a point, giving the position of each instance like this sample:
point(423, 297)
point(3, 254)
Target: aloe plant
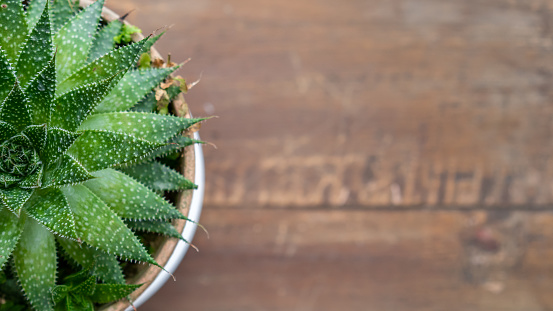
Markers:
point(78, 169)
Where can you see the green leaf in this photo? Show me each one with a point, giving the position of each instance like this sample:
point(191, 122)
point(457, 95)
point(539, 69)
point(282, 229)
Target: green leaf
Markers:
point(158, 177)
point(33, 180)
point(13, 27)
point(69, 305)
point(73, 107)
point(61, 12)
point(119, 60)
point(35, 264)
point(99, 227)
point(49, 207)
point(111, 292)
point(34, 11)
point(57, 143)
point(150, 43)
point(130, 199)
point(145, 61)
point(106, 266)
point(66, 171)
point(104, 43)
point(36, 135)
point(134, 86)
point(59, 292)
point(160, 227)
point(74, 39)
point(87, 287)
point(80, 303)
point(97, 150)
point(63, 305)
point(14, 109)
point(37, 51)
point(147, 104)
point(41, 92)
point(8, 180)
point(6, 131)
point(15, 198)
point(148, 126)
point(78, 277)
point(7, 77)
point(175, 144)
point(10, 228)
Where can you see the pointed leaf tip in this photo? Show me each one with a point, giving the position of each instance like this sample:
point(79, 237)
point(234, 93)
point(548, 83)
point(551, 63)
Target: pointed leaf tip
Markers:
point(15, 110)
point(37, 51)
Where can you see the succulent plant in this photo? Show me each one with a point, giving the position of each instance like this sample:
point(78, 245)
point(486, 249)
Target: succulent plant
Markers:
point(78, 169)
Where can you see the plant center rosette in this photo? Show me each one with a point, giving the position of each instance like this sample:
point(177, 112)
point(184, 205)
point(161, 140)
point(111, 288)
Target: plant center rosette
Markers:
point(82, 154)
point(20, 164)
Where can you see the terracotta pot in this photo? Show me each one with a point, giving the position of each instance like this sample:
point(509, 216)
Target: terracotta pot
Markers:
point(171, 251)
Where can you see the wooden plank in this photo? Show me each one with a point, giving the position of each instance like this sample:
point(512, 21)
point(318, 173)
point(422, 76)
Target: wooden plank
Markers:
point(366, 260)
point(368, 103)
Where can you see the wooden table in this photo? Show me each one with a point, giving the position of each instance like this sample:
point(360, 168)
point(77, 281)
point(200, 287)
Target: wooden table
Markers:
point(372, 155)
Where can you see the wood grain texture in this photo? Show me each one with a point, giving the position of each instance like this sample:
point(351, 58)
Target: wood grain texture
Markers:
point(368, 103)
point(427, 122)
point(331, 260)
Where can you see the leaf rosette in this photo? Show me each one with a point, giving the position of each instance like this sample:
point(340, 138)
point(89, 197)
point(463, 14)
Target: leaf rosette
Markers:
point(77, 161)
point(20, 164)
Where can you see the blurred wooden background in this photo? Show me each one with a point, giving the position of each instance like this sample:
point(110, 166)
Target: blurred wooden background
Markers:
point(372, 154)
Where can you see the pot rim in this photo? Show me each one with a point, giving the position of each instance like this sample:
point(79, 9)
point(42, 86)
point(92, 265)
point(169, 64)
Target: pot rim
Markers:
point(188, 231)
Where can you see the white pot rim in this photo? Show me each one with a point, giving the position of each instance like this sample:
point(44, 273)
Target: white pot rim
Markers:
point(187, 233)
